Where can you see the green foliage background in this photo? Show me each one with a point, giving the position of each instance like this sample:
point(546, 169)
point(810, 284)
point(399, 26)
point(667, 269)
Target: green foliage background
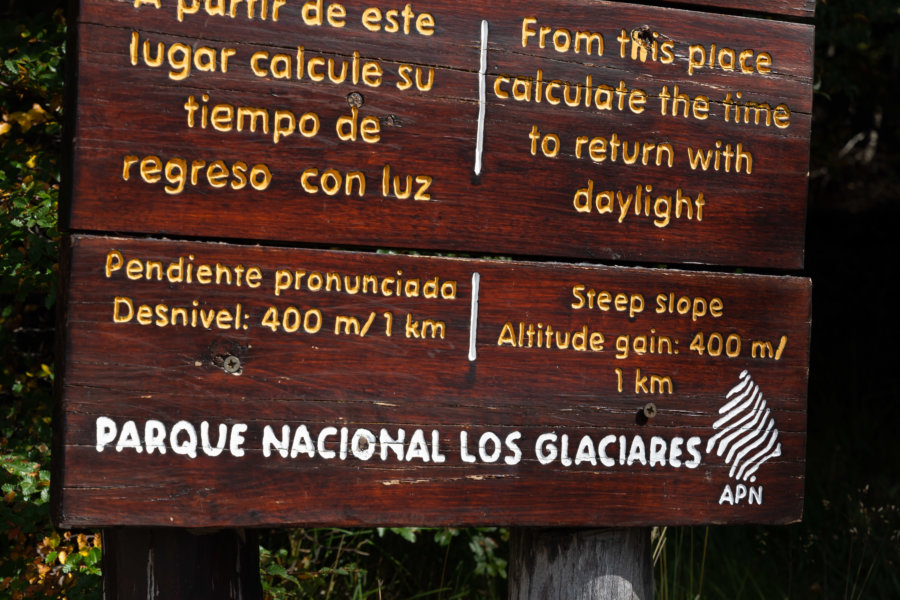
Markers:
point(848, 545)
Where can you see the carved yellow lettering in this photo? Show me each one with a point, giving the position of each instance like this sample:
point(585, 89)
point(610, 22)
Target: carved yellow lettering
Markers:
point(424, 182)
point(123, 309)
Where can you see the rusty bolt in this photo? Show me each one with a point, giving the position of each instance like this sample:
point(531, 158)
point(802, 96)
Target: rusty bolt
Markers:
point(355, 99)
point(649, 410)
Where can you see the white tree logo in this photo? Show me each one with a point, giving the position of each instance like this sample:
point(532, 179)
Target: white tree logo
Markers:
point(746, 435)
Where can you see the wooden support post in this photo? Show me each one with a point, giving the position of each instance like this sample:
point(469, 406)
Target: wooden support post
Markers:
point(178, 564)
point(580, 564)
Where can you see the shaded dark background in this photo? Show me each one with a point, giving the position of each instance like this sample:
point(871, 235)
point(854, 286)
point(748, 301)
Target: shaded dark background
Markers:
point(851, 519)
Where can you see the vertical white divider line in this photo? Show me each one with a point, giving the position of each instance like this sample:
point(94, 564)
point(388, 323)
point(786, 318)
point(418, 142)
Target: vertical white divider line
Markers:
point(473, 321)
point(482, 71)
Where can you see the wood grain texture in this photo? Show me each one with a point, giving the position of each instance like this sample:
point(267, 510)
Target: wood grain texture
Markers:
point(564, 564)
point(521, 203)
point(348, 373)
point(804, 8)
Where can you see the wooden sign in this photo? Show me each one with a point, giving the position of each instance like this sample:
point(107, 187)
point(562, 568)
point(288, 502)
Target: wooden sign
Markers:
point(211, 384)
point(217, 385)
point(554, 128)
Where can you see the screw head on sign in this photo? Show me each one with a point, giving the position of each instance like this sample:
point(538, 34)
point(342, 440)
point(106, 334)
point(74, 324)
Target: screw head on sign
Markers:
point(649, 410)
point(355, 99)
point(231, 364)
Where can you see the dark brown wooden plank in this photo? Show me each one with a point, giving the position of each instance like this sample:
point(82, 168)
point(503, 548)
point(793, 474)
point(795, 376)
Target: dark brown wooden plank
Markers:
point(804, 8)
point(748, 219)
point(343, 371)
